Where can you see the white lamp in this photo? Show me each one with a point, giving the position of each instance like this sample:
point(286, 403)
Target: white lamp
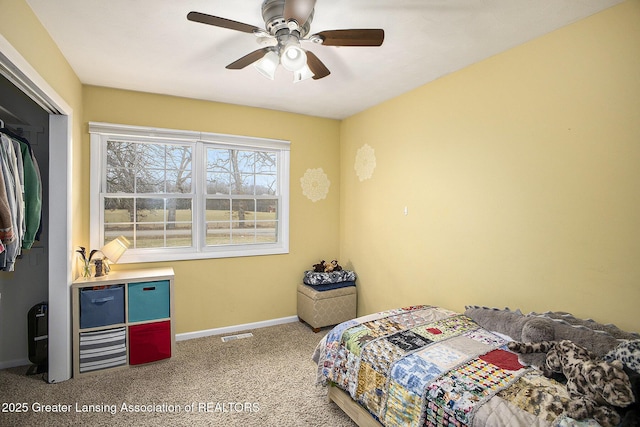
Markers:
point(302, 74)
point(293, 57)
point(113, 250)
point(268, 64)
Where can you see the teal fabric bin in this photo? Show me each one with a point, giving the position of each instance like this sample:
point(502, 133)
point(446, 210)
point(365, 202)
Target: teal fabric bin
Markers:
point(149, 301)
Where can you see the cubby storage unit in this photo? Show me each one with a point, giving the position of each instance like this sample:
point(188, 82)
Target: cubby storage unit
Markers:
point(122, 319)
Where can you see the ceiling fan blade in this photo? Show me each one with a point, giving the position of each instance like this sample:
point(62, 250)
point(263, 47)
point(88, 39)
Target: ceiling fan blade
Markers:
point(298, 10)
point(362, 37)
point(316, 66)
point(221, 22)
point(248, 59)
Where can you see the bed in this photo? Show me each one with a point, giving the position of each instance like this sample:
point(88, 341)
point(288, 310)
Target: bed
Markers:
point(428, 366)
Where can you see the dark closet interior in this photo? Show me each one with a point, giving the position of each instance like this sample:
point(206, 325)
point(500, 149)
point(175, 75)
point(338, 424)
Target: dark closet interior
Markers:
point(27, 285)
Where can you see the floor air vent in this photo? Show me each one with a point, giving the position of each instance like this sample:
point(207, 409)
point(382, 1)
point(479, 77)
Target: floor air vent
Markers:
point(236, 337)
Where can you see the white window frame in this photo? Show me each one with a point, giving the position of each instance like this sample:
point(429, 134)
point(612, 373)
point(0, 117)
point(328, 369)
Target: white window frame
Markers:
point(101, 132)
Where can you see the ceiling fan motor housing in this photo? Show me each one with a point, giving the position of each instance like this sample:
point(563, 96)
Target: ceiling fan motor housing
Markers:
point(273, 15)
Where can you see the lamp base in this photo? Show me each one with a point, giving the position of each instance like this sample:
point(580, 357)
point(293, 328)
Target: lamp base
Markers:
point(100, 270)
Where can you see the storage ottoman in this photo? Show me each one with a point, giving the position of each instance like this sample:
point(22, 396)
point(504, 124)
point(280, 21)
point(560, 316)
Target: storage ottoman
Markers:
point(326, 308)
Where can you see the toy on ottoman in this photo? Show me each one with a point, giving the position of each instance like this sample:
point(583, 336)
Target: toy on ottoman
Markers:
point(327, 297)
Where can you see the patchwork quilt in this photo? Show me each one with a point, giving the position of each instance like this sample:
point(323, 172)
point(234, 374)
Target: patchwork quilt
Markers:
point(427, 366)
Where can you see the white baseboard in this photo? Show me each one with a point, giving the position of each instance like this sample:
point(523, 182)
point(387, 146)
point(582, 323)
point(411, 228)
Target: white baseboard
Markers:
point(235, 328)
point(13, 363)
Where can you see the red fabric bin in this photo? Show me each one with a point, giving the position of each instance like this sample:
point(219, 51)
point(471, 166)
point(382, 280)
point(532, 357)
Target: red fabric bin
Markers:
point(149, 342)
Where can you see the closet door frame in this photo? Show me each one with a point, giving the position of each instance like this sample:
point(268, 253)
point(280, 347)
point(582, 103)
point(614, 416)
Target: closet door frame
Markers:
point(18, 70)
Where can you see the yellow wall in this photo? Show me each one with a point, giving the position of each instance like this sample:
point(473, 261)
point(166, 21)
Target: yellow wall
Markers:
point(521, 175)
point(23, 30)
point(223, 292)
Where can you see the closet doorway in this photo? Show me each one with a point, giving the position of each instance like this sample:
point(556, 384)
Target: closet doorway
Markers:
point(55, 253)
point(27, 282)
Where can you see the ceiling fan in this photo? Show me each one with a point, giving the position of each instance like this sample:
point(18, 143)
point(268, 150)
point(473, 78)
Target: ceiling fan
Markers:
point(287, 23)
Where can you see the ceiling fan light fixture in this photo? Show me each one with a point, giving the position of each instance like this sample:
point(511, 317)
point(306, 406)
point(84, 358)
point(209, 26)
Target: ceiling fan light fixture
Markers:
point(293, 57)
point(302, 74)
point(268, 64)
point(287, 22)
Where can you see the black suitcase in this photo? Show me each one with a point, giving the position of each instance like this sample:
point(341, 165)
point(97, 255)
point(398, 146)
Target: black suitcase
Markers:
point(38, 331)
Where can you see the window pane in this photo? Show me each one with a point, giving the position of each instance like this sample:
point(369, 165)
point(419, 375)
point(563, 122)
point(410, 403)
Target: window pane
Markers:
point(266, 185)
point(150, 181)
point(178, 169)
point(179, 234)
point(120, 180)
point(157, 223)
point(116, 230)
point(218, 215)
point(267, 209)
point(240, 234)
point(218, 183)
point(151, 156)
point(150, 210)
point(134, 167)
point(178, 157)
point(118, 210)
point(179, 210)
point(218, 233)
point(241, 172)
point(244, 212)
point(218, 210)
point(266, 163)
point(178, 181)
point(247, 186)
point(218, 160)
point(266, 232)
point(245, 161)
point(122, 154)
point(149, 236)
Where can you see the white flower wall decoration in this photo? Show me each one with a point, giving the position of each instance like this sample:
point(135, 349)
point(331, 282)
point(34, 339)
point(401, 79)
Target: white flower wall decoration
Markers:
point(315, 184)
point(365, 162)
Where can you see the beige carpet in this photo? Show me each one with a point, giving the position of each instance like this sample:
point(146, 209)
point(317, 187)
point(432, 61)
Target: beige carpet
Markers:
point(266, 380)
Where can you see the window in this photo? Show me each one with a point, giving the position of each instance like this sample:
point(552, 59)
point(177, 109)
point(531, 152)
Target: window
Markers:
point(188, 195)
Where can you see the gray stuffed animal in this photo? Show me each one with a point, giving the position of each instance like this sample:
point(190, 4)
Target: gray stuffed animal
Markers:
point(533, 328)
point(609, 328)
point(516, 326)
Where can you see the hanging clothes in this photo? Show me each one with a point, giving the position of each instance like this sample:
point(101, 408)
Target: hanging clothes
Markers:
point(20, 198)
point(6, 224)
point(32, 196)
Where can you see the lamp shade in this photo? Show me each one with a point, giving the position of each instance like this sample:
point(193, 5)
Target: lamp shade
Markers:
point(293, 57)
point(115, 248)
point(302, 74)
point(268, 64)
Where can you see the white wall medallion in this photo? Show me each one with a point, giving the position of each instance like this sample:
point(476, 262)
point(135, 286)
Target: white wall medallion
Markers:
point(315, 184)
point(365, 162)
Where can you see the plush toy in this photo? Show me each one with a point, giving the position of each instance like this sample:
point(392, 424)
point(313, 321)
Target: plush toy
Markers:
point(611, 329)
point(533, 328)
point(320, 267)
point(593, 385)
point(327, 267)
point(516, 326)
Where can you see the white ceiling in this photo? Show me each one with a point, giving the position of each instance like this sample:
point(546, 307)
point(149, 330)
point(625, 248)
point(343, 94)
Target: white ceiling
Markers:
point(150, 46)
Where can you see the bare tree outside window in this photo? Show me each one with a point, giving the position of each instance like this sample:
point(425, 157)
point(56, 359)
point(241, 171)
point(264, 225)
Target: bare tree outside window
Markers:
point(150, 194)
point(242, 203)
point(188, 194)
point(149, 182)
